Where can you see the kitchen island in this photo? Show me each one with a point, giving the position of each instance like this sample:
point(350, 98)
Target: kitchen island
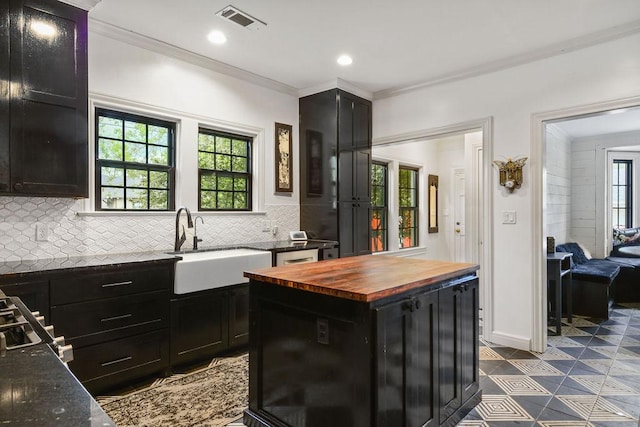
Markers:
point(363, 341)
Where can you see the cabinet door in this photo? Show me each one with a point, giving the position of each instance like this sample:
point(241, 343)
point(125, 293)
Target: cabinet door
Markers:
point(407, 361)
point(362, 228)
point(4, 96)
point(34, 294)
point(346, 211)
point(49, 153)
point(449, 341)
point(469, 348)
point(239, 316)
point(199, 326)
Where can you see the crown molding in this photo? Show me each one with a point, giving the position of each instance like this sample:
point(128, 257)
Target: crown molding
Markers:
point(154, 45)
point(336, 84)
point(82, 4)
point(577, 43)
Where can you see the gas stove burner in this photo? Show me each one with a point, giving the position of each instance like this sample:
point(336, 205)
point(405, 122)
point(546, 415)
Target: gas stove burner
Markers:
point(15, 330)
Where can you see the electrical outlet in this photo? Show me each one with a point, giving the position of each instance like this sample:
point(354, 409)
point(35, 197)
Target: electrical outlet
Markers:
point(42, 232)
point(509, 217)
point(266, 226)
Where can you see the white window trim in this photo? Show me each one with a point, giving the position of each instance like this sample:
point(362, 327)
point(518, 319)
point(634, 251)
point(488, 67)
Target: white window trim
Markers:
point(186, 152)
point(635, 183)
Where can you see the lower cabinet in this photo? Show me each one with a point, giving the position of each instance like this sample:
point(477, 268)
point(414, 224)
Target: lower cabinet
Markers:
point(33, 293)
point(206, 323)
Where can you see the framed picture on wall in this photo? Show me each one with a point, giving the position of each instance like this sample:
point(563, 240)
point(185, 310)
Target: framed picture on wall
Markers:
point(433, 203)
point(283, 160)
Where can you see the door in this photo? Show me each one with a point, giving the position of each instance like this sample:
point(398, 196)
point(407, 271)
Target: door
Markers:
point(459, 243)
point(407, 360)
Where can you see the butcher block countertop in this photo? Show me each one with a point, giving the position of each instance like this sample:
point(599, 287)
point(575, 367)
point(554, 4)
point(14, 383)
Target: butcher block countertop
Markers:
point(364, 278)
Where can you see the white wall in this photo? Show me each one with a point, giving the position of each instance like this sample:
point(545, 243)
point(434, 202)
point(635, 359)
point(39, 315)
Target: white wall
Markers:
point(600, 73)
point(589, 186)
point(557, 206)
point(191, 95)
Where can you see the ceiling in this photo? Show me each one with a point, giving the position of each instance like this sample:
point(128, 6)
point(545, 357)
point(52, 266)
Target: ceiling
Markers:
point(610, 122)
point(395, 45)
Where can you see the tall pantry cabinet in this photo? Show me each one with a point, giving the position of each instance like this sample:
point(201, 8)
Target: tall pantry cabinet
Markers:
point(335, 169)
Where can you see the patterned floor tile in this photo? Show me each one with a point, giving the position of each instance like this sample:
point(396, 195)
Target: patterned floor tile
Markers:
point(591, 382)
point(570, 423)
point(561, 341)
point(580, 405)
point(536, 367)
point(501, 408)
point(605, 410)
point(487, 353)
point(521, 385)
point(598, 365)
point(554, 353)
point(613, 387)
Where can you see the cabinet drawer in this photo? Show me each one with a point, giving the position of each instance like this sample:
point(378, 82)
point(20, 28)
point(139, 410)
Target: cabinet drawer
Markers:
point(111, 318)
point(109, 283)
point(122, 358)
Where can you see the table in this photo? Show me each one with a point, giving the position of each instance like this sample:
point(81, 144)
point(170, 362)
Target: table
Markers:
point(630, 250)
point(559, 273)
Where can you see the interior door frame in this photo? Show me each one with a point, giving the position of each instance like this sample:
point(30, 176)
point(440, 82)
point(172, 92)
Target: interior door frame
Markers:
point(486, 245)
point(538, 185)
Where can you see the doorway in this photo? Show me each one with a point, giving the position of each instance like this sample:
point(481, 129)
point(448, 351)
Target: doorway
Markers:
point(560, 127)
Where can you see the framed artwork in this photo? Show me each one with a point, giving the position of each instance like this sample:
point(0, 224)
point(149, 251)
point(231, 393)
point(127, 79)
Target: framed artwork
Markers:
point(283, 164)
point(314, 163)
point(433, 203)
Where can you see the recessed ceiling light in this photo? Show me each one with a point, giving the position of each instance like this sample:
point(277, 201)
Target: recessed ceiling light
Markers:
point(217, 37)
point(345, 60)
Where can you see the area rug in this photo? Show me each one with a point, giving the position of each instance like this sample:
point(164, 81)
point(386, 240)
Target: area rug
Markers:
point(213, 396)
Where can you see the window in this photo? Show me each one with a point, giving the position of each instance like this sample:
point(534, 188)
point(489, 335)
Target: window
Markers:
point(379, 222)
point(408, 195)
point(224, 174)
point(621, 193)
point(134, 162)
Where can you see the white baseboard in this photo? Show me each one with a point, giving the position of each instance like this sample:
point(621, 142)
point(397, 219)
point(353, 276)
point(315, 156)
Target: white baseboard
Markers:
point(513, 341)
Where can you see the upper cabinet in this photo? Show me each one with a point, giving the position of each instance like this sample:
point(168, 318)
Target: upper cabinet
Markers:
point(46, 150)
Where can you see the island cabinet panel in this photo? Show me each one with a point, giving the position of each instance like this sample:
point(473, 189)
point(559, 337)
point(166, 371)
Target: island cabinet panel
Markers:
point(407, 354)
point(323, 360)
point(5, 79)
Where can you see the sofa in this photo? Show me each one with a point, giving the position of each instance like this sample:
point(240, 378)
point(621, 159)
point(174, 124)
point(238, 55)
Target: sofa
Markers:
point(592, 282)
point(625, 238)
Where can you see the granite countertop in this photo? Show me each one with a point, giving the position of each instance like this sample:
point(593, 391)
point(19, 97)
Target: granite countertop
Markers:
point(57, 264)
point(29, 376)
point(363, 278)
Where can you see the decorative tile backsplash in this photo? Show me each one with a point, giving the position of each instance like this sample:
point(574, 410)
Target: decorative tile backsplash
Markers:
point(71, 234)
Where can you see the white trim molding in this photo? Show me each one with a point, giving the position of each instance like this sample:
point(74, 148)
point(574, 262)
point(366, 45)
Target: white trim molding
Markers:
point(82, 4)
point(336, 84)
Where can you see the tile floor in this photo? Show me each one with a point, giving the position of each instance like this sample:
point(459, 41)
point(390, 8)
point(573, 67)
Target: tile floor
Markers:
point(588, 377)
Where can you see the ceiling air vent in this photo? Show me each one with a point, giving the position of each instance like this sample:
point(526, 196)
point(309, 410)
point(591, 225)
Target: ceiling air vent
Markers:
point(241, 18)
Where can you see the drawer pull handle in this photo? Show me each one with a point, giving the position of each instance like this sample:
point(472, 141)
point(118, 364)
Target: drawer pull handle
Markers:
point(113, 362)
point(109, 319)
point(110, 285)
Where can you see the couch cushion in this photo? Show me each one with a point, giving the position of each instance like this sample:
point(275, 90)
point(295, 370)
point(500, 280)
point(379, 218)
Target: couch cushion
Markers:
point(596, 270)
point(625, 262)
point(578, 256)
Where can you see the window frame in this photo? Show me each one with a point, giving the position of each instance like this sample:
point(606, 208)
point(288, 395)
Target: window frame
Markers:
point(415, 207)
point(383, 209)
point(249, 175)
point(125, 165)
point(628, 192)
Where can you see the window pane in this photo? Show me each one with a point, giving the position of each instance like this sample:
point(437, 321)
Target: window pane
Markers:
point(110, 128)
point(225, 200)
point(112, 198)
point(109, 149)
point(239, 164)
point(206, 142)
point(240, 148)
point(136, 178)
point(135, 152)
point(158, 199)
point(158, 135)
point(137, 199)
point(158, 179)
point(206, 160)
point(158, 155)
point(208, 182)
point(225, 183)
point(240, 184)
point(207, 200)
point(112, 176)
point(223, 163)
point(239, 201)
point(223, 145)
point(135, 131)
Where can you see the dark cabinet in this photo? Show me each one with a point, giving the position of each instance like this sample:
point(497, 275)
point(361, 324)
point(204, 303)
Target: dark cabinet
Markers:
point(117, 320)
point(458, 347)
point(208, 322)
point(407, 355)
point(45, 151)
point(335, 162)
point(33, 293)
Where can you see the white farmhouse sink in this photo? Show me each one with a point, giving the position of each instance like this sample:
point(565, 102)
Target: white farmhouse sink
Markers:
point(198, 271)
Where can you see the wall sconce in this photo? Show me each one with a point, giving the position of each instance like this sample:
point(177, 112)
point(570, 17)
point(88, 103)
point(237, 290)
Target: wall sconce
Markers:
point(511, 172)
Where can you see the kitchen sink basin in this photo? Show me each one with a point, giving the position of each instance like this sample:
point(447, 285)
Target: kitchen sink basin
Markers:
point(198, 271)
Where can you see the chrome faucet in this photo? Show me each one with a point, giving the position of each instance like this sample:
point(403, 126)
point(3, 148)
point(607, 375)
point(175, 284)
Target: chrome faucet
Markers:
point(181, 238)
point(195, 232)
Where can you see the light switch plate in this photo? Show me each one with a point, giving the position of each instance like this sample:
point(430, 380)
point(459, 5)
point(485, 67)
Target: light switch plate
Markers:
point(508, 217)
